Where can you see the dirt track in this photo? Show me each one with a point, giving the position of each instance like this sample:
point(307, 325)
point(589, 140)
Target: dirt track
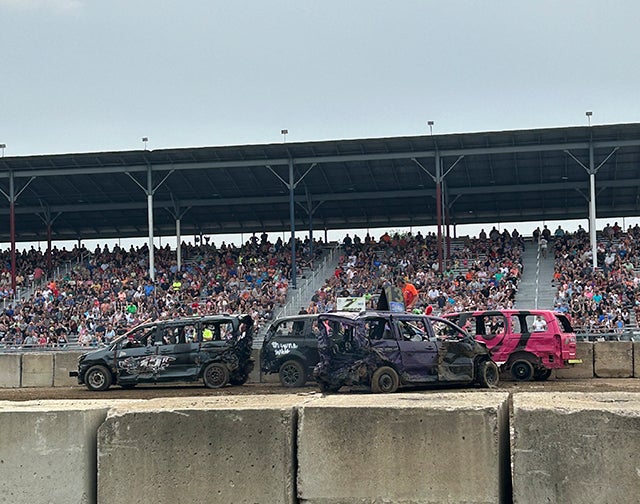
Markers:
point(197, 390)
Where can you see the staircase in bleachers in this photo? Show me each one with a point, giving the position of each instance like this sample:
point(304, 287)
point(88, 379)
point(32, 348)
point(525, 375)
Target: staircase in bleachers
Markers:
point(536, 289)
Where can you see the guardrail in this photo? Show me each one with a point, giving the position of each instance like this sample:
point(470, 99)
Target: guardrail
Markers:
point(627, 334)
point(305, 291)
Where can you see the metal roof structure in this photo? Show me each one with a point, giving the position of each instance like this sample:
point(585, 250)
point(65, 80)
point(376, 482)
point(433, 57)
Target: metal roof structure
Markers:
point(487, 177)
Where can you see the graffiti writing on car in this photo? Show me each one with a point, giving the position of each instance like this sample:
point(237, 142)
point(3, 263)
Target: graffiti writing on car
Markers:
point(283, 348)
point(146, 364)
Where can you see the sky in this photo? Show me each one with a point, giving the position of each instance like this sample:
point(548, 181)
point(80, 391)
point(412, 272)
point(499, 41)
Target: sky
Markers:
point(92, 75)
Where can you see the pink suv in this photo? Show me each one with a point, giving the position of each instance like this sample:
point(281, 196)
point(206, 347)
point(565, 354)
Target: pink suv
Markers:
point(529, 343)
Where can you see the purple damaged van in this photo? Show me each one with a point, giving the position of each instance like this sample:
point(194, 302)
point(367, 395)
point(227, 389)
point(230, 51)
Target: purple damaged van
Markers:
point(386, 350)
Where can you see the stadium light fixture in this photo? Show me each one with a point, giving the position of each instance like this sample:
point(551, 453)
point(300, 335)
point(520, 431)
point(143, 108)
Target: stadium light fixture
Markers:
point(589, 113)
point(145, 140)
point(430, 124)
point(3, 147)
point(284, 134)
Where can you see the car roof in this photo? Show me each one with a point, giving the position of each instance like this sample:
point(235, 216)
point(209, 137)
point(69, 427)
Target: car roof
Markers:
point(367, 314)
point(510, 311)
point(297, 317)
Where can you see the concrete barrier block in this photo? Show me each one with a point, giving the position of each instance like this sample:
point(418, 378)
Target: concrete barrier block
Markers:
point(37, 370)
point(63, 362)
point(419, 448)
point(584, 351)
point(48, 451)
point(217, 449)
point(575, 447)
point(10, 370)
point(636, 359)
point(613, 359)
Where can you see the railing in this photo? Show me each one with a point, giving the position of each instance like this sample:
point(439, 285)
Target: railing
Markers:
point(305, 291)
point(58, 347)
point(627, 334)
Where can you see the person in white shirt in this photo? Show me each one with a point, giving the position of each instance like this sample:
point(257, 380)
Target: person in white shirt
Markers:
point(539, 325)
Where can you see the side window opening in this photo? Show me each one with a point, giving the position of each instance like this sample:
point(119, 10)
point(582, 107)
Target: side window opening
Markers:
point(536, 323)
point(515, 324)
point(412, 330)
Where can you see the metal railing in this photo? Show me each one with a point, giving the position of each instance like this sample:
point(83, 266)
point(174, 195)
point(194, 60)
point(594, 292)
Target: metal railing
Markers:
point(304, 292)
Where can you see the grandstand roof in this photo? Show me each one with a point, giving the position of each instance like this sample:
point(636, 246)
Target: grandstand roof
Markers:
point(489, 177)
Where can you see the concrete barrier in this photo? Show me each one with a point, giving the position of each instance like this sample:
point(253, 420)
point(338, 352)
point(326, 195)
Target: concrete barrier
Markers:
point(218, 449)
point(37, 369)
point(584, 351)
point(432, 447)
point(48, 451)
point(10, 370)
point(613, 359)
point(63, 362)
point(572, 447)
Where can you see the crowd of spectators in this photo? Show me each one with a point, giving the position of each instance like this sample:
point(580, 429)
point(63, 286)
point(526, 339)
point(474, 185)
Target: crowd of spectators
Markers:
point(600, 300)
point(481, 274)
point(109, 290)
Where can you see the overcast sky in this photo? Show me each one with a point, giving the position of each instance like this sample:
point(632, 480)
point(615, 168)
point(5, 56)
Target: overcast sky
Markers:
point(98, 75)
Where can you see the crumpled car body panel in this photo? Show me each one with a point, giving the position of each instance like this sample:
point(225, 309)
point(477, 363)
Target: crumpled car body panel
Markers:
point(351, 349)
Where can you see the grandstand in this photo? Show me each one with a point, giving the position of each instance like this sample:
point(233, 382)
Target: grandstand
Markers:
point(410, 181)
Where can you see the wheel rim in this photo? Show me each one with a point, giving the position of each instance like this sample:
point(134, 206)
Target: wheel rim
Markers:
point(96, 379)
point(290, 374)
point(385, 382)
point(491, 375)
point(215, 376)
point(521, 371)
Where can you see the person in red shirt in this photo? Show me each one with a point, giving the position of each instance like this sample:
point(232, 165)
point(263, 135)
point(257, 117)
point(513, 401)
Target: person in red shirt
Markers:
point(409, 292)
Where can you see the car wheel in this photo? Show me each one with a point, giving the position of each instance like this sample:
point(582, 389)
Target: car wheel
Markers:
point(98, 378)
point(292, 374)
point(488, 374)
point(542, 374)
point(385, 380)
point(215, 375)
point(522, 370)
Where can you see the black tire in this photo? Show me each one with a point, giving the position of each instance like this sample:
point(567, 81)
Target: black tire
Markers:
point(98, 378)
point(522, 370)
point(488, 374)
point(385, 380)
point(215, 375)
point(292, 374)
point(542, 374)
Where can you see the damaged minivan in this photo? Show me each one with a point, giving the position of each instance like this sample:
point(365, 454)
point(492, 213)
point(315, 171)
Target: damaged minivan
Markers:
point(387, 350)
point(215, 349)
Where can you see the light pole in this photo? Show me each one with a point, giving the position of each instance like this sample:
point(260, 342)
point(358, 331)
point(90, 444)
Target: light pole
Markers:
point(588, 113)
point(430, 124)
point(145, 140)
point(3, 147)
point(284, 134)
